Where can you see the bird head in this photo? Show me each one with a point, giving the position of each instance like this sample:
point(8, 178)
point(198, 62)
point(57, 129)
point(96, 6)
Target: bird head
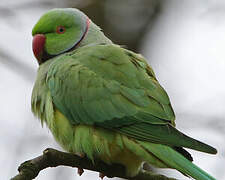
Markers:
point(58, 31)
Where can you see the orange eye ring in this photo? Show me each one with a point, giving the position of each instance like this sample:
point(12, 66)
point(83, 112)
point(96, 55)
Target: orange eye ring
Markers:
point(60, 29)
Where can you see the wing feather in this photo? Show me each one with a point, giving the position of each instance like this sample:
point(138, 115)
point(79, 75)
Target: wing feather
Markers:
point(110, 87)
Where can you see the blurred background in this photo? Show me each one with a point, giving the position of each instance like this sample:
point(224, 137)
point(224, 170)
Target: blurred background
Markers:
point(184, 41)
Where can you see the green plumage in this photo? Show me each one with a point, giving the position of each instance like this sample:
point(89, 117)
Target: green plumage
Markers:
point(105, 101)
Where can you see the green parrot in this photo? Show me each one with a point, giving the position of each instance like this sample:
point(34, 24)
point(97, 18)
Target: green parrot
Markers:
point(103, 101)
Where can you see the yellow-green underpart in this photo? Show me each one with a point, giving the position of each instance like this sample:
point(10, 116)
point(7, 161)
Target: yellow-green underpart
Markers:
point(107, 145)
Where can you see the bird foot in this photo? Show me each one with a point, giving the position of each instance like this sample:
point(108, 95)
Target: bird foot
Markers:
point(101, 175)
point(82, 155)
point(80, 171)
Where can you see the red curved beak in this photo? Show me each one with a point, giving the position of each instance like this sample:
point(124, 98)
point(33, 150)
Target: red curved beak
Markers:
point(38, 46)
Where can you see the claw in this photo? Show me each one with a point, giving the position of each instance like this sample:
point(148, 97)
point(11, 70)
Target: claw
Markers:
point(80, 171)
point(101, 175)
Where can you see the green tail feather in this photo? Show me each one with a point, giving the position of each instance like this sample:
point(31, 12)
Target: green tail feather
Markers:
point(175, 160)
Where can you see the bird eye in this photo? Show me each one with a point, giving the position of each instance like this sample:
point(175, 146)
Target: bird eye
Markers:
point(60, 29)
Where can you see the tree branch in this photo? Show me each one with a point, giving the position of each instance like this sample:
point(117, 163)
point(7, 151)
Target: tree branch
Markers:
point(53, 158)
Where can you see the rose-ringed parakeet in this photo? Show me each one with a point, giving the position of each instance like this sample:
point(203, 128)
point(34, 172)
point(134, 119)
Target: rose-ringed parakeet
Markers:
point(104, 101)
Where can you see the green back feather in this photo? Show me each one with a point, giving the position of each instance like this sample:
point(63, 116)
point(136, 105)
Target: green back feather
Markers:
point(102, 85)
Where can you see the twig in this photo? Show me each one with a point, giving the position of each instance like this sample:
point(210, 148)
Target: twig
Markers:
point(53, 158)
